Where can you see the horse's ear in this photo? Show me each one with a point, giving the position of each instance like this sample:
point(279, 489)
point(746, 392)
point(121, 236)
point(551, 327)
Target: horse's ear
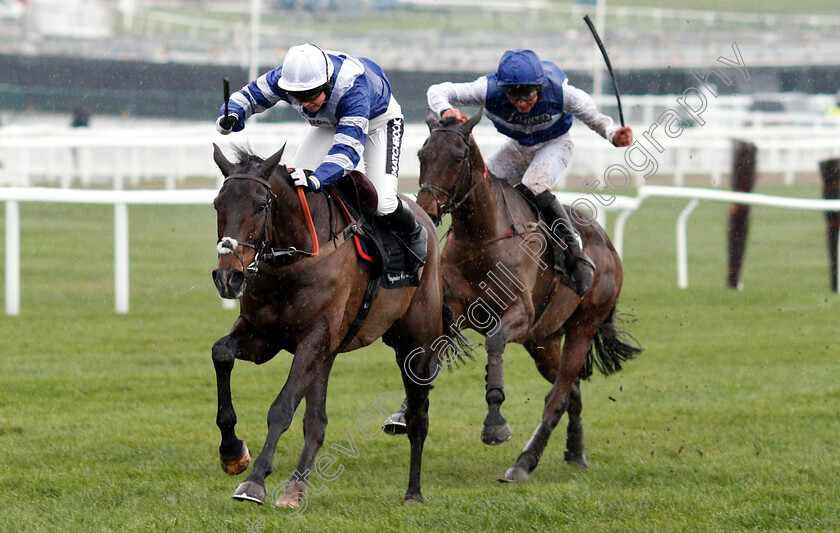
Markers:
point(221, 161)
point(467, 126)
point(431, 120)
point(268, 166)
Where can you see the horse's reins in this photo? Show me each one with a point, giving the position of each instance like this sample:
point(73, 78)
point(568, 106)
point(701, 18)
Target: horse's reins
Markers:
point(228, 245)
point(448, 206)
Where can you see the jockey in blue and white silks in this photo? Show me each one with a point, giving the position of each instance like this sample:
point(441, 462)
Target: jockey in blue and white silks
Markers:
point(354, 117)
point(532, 103)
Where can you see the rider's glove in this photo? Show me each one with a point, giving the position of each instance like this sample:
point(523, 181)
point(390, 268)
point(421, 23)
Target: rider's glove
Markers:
point(225, 123)
point(303, 178)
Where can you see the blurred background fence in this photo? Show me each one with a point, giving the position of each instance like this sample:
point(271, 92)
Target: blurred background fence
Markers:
point(119, 153)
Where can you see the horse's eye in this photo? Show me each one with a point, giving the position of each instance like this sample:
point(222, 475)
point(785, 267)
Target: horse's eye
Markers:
point(261, 208)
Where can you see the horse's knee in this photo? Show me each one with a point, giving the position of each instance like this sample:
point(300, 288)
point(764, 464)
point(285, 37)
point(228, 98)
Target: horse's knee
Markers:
point(495, 396)
point(224, 353)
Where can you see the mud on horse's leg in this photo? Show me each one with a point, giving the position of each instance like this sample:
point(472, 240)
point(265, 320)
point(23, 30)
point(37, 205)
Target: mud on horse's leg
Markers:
point(496, 429)
point(233, 453)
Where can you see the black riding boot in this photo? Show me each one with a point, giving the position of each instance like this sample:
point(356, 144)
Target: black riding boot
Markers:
point(409, 231)
point(558, 219)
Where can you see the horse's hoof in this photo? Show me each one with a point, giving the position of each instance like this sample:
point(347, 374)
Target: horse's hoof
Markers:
point(291, 498)
point(395, 424)
point(514, 474)
point(495, 435)
point(235, 465)
point(413, 498)
point(250, 492)
point(576, 459)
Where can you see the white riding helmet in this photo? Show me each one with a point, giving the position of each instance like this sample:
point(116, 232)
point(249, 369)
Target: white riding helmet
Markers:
point(306, 67)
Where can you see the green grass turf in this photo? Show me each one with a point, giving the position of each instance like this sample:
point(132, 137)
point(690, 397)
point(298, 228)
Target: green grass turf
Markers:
point(727, 422)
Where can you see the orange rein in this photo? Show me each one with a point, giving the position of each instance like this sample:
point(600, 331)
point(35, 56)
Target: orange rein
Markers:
point(308, 216)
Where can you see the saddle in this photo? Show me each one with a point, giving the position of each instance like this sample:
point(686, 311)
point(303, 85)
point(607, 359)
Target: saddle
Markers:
point(375, 243)
point(561, 260)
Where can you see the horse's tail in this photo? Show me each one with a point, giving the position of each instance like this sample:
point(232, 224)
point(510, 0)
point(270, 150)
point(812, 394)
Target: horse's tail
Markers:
point(460, 346)
point(610, 348)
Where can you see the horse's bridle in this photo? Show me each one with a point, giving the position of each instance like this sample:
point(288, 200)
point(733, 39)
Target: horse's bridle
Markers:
point(450, 204)
point(228, 244)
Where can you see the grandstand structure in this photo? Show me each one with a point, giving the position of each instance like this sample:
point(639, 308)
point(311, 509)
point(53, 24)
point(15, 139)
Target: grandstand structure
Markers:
point(146, 57)
point(447, 35)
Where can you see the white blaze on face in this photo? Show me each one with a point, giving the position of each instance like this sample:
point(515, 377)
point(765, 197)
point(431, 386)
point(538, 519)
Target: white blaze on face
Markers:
point(226, 245)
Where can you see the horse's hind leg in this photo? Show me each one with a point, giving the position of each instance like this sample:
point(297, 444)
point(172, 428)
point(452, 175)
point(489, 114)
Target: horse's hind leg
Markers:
point(547, 354)
point(575, 454)
point(314, 428)
point(573, 356)
point(496, 429)
point(419, 370)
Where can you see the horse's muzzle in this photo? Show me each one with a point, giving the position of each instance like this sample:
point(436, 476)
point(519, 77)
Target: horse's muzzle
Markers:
point(430, 206)
point(230, 282)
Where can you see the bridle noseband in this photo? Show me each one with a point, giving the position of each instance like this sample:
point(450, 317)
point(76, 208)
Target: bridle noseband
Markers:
point(228, 245)
point(450, 204)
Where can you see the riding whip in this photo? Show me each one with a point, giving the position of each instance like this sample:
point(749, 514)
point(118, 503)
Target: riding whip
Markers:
point(227, 95)
point(609, 66)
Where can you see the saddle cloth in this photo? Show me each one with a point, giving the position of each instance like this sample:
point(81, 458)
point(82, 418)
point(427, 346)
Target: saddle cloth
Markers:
point(373, 241)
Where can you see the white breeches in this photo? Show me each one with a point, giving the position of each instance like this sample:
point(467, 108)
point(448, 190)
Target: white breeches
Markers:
point(538, 167)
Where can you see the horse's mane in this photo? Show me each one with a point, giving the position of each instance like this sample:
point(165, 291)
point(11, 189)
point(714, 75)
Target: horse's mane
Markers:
point(246, 156)
point(449, 122)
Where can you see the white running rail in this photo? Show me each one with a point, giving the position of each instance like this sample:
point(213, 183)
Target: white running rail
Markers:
point(695, 195)
point(121, 199)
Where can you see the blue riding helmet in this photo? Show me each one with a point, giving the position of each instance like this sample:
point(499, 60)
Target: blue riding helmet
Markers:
point(520, 67)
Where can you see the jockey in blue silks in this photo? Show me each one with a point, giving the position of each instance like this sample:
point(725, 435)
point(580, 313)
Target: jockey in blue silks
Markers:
point(532, 103)
point(348, 102)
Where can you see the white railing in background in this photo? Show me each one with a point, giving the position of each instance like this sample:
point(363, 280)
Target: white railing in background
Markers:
point(119, 199)
point(122, 199)
point(12, 196)
point(647, 14)
point(130, 157)
point(696, 195)
point(625, 205)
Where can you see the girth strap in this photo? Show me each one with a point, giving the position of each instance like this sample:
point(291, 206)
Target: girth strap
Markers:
point(367, 301)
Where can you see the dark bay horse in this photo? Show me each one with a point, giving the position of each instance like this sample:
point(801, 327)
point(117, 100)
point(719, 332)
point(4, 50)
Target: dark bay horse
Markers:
point(300, 285)
point(497, 267)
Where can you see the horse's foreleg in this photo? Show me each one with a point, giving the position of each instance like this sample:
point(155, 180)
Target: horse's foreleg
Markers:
point(314, 428)
point(574, 354)
point(233, 452)
point(280, 418)
point(496, 429)
point(575, 454)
